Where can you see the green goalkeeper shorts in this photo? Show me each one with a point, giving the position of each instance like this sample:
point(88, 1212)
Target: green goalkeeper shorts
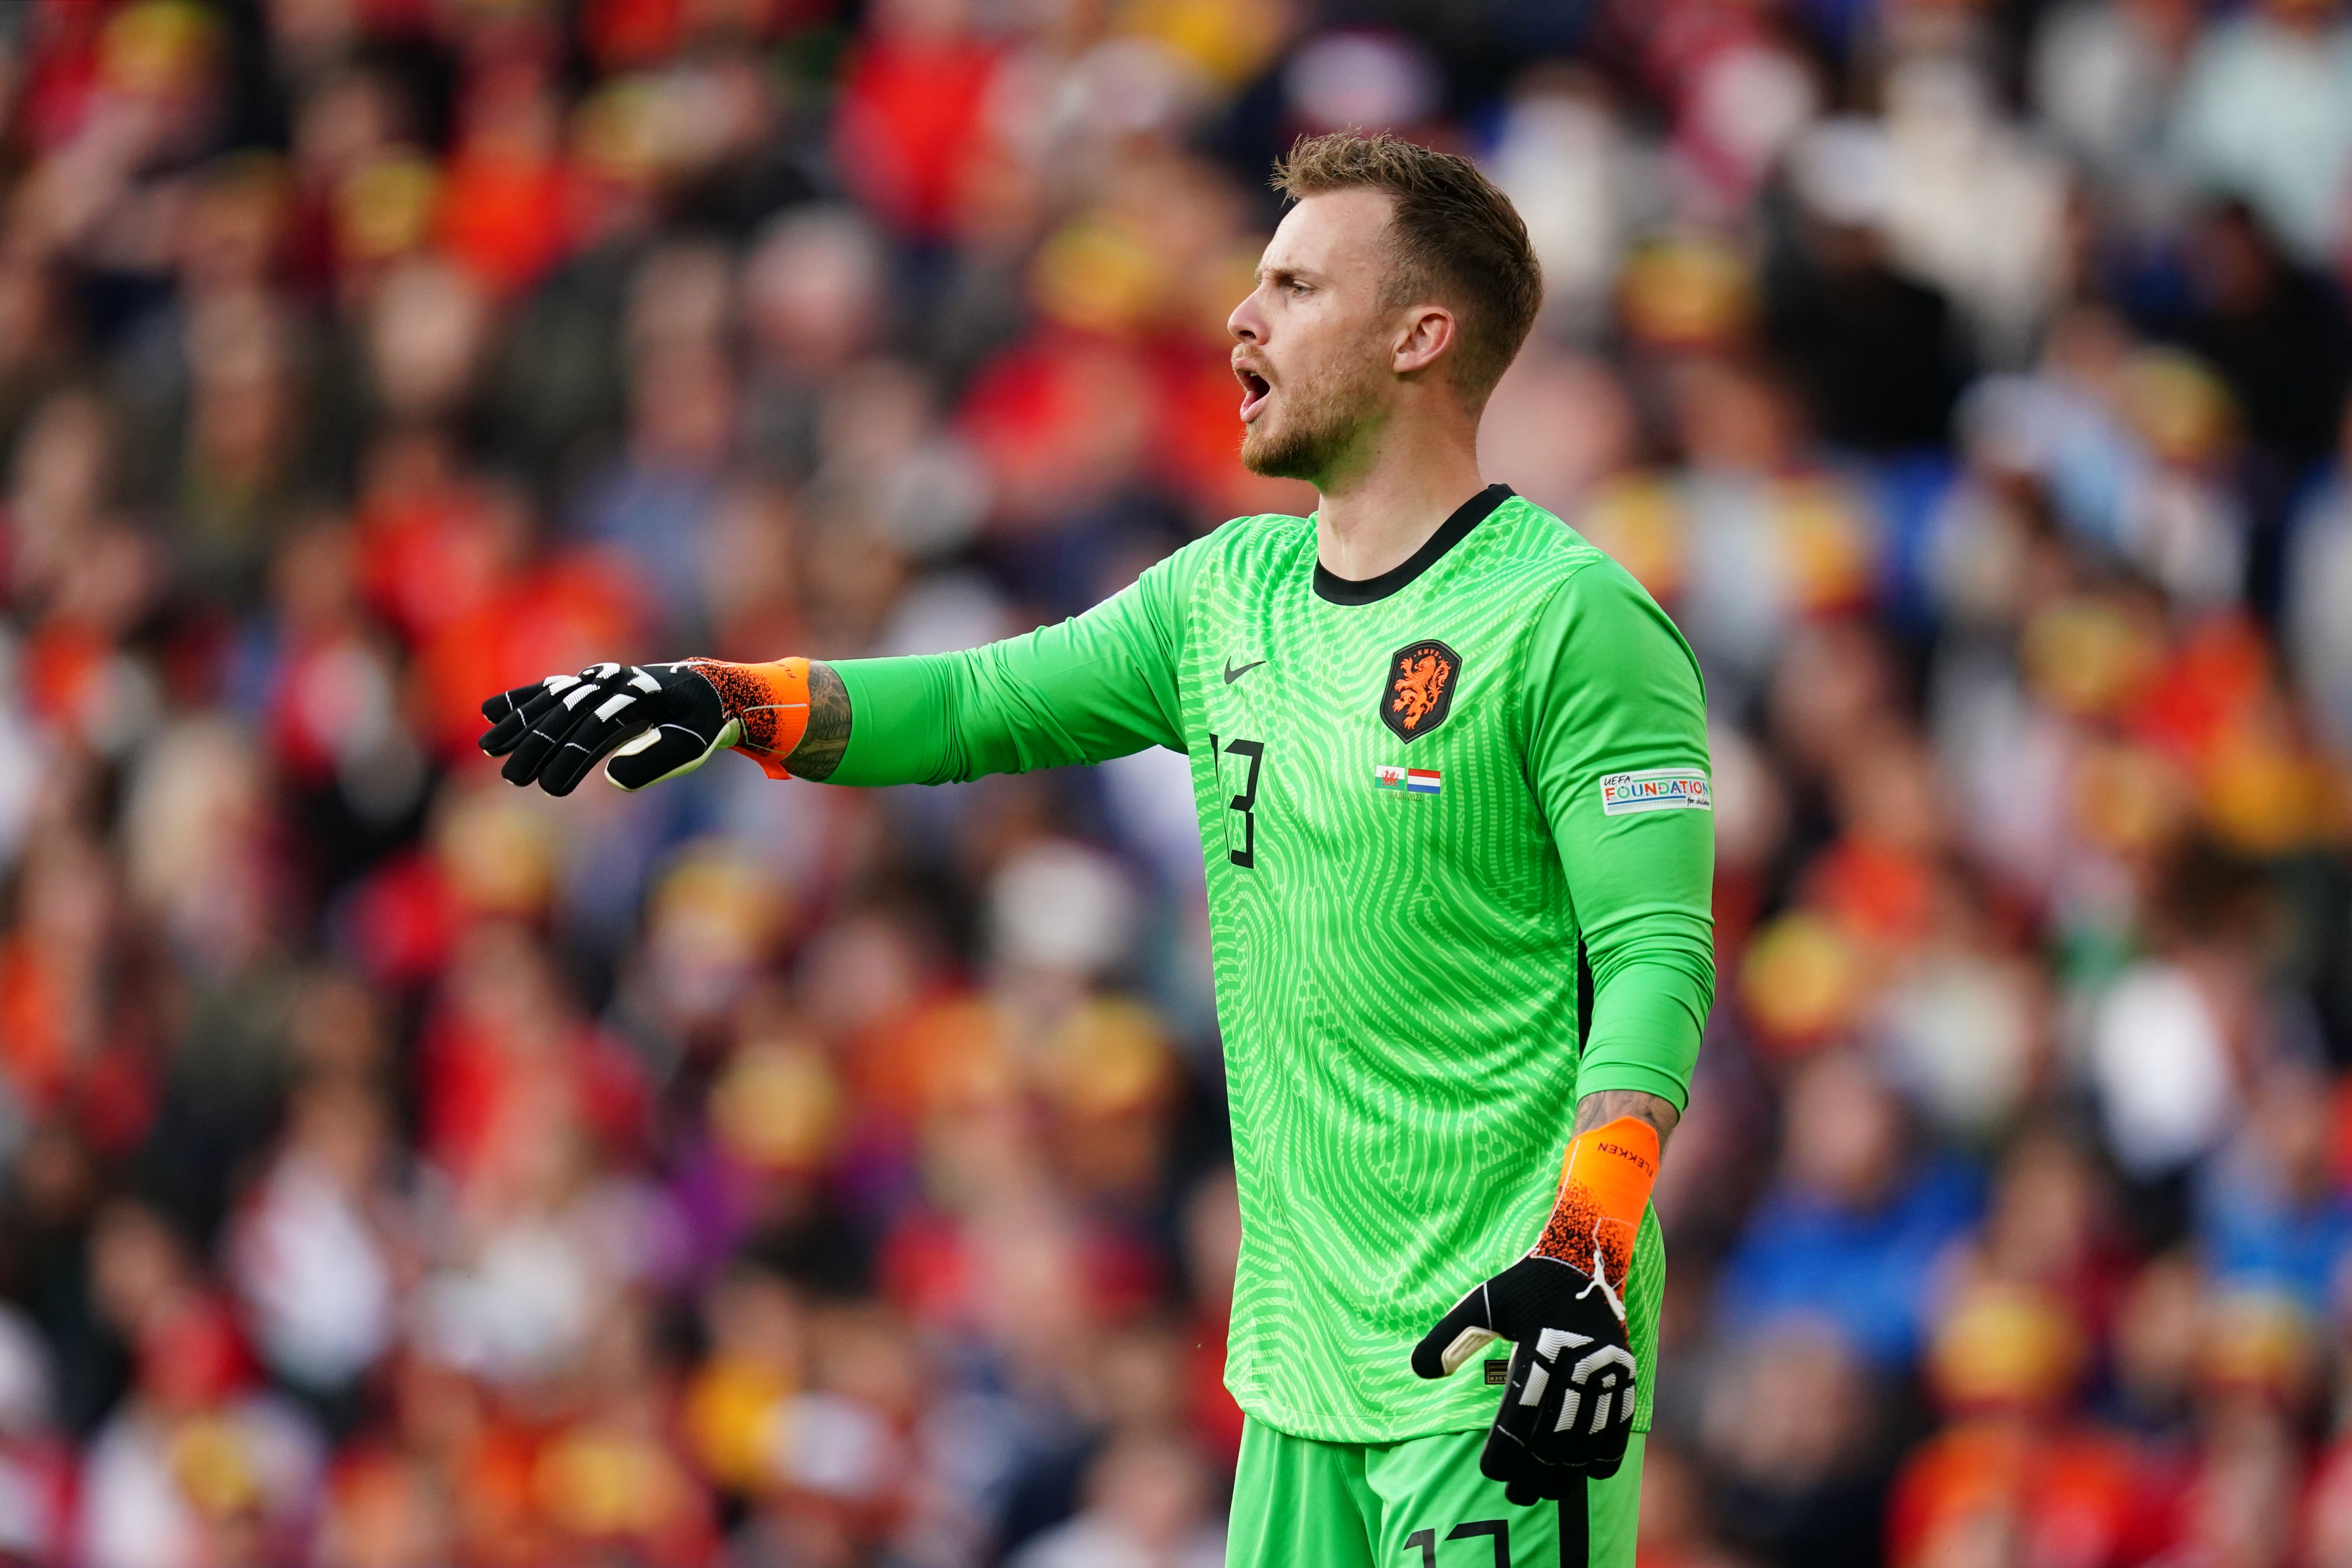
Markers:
point(1420, 1504)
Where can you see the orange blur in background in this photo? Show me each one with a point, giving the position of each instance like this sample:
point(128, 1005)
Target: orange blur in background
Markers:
point(399, 1171)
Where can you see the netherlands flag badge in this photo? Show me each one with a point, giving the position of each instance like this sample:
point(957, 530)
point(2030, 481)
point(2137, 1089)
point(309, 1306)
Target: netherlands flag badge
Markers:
point(1407, 781)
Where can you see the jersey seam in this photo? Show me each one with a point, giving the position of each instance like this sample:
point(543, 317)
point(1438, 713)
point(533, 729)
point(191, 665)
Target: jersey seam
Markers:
point(1524, 697)
point(1195, 602)
point(1177, 660)
point(1574, 569)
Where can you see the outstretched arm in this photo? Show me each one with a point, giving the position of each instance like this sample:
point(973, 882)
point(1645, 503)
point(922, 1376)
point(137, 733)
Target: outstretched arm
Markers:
point(1101, 685)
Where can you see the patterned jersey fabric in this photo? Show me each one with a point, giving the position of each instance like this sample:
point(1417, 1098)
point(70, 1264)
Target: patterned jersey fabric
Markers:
point(1417, 794)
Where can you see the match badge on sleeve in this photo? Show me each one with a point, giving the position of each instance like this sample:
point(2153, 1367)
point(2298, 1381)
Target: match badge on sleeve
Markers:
point(1660, 789)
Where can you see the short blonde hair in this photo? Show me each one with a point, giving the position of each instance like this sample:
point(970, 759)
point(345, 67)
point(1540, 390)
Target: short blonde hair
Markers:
point(1459, 241)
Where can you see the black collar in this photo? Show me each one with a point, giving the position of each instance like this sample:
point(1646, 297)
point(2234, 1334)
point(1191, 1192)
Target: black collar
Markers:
point(1339, 590)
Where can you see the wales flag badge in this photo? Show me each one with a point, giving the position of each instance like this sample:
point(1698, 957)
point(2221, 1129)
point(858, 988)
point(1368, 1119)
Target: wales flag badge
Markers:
point(1407, 781)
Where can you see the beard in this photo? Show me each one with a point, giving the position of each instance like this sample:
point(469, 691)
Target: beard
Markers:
point(1324, 418)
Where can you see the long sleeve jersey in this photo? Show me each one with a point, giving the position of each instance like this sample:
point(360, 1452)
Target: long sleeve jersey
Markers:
point(1458, 831)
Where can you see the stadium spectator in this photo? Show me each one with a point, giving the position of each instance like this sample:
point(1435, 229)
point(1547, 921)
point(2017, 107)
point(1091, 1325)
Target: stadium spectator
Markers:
point(395, 1174)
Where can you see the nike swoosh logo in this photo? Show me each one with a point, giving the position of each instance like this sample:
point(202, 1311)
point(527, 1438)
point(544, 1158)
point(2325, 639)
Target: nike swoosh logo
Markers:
point(1233, 675)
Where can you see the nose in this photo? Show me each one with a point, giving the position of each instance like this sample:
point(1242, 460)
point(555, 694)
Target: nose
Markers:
point(1246, 323)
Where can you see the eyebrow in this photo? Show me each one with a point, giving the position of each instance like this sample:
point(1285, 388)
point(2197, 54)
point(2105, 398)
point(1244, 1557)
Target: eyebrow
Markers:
point(1288, 274)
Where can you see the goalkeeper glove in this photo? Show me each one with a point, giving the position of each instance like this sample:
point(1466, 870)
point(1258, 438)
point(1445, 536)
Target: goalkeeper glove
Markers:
point(665, 719)
point(1567, 1410)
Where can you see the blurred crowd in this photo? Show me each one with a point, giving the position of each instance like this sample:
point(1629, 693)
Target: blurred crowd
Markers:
point(401, 1171)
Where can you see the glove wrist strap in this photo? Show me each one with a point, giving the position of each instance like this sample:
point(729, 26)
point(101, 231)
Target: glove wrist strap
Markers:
point(1604, 1187)
point(770, 701)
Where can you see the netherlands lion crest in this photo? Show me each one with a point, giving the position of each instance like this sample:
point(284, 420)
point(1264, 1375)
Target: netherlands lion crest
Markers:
point(1418, 690)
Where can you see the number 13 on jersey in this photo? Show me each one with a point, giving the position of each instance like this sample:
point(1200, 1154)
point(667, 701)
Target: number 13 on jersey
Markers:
point(1241, 839)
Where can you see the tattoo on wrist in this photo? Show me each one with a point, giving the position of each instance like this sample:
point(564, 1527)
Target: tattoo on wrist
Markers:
point(1602, 1109)
point(828, 735)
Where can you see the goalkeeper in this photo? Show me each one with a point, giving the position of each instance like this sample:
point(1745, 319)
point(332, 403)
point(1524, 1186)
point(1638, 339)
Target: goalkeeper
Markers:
point(1450, 764)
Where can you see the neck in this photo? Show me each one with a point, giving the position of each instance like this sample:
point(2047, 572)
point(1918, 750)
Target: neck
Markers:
point(1382, 508)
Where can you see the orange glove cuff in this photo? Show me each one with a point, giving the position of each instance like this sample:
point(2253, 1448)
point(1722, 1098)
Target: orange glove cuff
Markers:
point(1604, 1186)
point(769, 700)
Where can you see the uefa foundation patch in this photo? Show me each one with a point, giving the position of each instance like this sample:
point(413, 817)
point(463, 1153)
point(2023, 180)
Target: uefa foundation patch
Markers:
point(1661, 789)
point(1407, 781)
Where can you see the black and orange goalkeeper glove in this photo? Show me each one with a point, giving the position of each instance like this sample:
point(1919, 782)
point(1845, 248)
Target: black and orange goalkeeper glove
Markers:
point(1567, 1410)
point(658, 721)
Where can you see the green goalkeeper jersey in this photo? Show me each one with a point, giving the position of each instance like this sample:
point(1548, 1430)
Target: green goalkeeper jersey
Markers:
point(1427, 801)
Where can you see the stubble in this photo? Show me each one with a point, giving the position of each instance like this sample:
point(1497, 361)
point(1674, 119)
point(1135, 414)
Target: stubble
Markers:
point(1327, 415)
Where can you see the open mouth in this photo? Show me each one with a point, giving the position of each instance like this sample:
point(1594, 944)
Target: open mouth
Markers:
point(1254, 392)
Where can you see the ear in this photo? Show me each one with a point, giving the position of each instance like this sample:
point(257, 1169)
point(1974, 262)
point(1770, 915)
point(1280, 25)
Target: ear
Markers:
point(1426, 332)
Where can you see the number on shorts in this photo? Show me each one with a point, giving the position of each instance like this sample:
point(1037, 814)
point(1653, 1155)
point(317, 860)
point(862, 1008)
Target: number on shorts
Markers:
point(1426, 1540)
